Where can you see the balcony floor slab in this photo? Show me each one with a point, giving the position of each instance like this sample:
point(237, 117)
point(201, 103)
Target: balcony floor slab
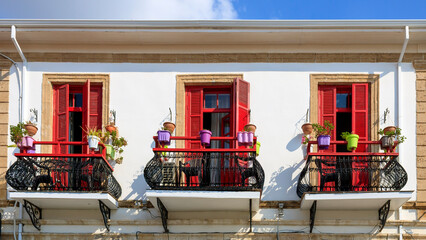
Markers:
point(65, 200)
point(195, 201)
point(355, 200)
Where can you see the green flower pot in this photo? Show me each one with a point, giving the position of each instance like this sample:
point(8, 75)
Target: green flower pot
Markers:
point(110, 151)
point(352, 140)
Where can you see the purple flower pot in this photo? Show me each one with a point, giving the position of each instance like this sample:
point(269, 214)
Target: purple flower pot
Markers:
point(205, 137)
point(245, 138)
point(164, 137)
point(250, 137)
point(323, 141)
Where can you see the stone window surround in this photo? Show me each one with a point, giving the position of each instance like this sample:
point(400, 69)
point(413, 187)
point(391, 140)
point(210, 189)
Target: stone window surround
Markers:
point(50, 79)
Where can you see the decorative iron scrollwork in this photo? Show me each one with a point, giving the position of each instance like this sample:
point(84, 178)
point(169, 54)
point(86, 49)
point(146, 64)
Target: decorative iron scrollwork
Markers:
point(34, 212)
point(221, 171)
point(335, 174)
point(383, 215)
point(42, 173)
point(164, 214)
point(106, 213)
point(312, 213)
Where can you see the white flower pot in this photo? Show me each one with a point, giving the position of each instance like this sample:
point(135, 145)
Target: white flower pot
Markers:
point(93, 141)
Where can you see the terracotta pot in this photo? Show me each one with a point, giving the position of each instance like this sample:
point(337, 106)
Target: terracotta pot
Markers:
point(31, 129)
point(307, 128)
point(110, 128)
point(389, 129)
point(169, 126)
point(250, 128)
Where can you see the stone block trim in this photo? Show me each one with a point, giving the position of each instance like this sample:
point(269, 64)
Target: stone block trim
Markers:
point(220, 58)
point(4, 123)
point(421, 129)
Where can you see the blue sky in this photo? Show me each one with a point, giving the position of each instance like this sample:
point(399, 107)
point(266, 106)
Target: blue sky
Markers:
point(212, 9)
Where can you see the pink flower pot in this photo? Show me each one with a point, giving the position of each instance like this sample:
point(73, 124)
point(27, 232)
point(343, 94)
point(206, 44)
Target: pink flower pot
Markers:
point(26, 142)
point(205, 137)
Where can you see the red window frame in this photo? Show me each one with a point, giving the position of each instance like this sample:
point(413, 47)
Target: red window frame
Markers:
point(92, 110)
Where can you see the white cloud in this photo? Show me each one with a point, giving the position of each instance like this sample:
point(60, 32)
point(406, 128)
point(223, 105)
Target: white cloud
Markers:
point(119, 9)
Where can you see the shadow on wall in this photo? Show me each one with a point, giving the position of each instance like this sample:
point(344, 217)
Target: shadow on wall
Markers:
point(139, 186)
point(283, 183)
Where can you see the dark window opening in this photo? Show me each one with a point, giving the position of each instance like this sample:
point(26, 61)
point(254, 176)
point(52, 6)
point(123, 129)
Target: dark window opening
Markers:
point(343, 124)
point(75, 131)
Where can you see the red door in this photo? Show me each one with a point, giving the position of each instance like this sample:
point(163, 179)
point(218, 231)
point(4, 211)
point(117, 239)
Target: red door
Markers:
point(223, 110)
point(341, 105)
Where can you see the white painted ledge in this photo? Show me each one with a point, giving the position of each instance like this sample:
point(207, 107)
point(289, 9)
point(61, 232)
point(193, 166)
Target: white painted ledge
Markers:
point(355, 200)
point(205, 200)
point(65, 200)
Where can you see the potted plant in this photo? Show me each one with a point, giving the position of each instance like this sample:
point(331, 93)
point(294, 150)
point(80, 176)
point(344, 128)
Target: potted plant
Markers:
point(352, 140)
point(31, 128)
point(389, 136)
point(205, 137)
point(322, 133)
point(307, 128)
point(169, 126)
point(250, 128)
point(118, 143)
point(93, 137)
point(111, 126)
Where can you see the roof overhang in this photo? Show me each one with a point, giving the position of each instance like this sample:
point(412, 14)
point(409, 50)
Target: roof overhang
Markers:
point(355, 200)
point(196, 201)
point(221, 36)
point(65, 200)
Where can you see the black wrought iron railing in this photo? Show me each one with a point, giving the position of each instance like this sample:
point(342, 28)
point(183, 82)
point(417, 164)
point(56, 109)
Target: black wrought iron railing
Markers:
point(38, 172)
point(328, 172)
point(204, 170)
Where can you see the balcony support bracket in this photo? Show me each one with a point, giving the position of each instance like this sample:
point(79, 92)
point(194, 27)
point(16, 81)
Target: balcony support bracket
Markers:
point(164, 214)
point(383, 215)
point(106, 214)
point(312, 211)
point(34, 212)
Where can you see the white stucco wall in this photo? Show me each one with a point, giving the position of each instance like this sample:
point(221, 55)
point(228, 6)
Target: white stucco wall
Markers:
point(142, 93)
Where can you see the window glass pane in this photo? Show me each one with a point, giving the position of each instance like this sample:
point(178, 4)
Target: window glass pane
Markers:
point(224, 101)
point(342, 100)
point(210, 101)
point(71, 100)
point(78, 100)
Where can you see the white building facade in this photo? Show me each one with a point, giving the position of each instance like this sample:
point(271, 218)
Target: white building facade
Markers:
point(215, 75)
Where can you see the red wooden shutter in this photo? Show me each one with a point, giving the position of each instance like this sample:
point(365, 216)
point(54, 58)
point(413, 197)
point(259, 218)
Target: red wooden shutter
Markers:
point(95, 110)
point(360, 113)
point(327, 109)
point(62, 117)
point(86, 105)
point(241, 104)
point(360, 126)
point(194, 113)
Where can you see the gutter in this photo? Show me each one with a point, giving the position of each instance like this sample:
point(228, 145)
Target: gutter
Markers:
point(217, 24)
point(399, 104)
point(22, 104)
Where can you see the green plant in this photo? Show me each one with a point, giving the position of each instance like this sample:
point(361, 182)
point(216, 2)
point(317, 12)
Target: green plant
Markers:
point(393, 134)
point(323, 130)
point(93, 131)
point(117, 142)
point(345, 134)
point(17, 132)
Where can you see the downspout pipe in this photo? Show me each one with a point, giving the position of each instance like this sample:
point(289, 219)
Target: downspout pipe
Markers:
point(24, 71)
point(22, 102)
point(399, 104)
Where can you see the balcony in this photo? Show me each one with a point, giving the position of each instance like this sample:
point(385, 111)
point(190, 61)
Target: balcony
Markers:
point(204, 179)
point(352, 181)
point(66, 181)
